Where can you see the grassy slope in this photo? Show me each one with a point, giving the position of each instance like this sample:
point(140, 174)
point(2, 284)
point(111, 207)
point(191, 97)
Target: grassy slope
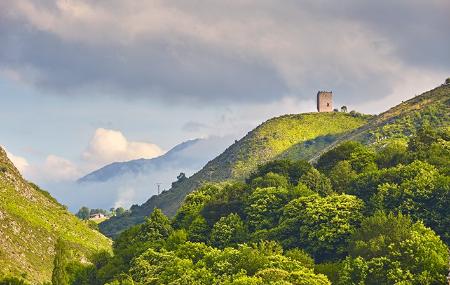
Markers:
point(430, 108)
point(30, 222)
point(277, 137)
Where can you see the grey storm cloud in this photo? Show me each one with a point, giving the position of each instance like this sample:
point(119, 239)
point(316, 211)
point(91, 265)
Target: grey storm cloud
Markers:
point(222, 51)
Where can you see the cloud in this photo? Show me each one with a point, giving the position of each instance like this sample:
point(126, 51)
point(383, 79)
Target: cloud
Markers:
point(54, 169)
point(109, 146)
point(193, 126)
point(106, 146)
point(20, 162)
point(214, 51)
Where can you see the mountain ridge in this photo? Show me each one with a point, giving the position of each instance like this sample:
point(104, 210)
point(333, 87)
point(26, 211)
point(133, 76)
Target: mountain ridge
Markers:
point(132, 166)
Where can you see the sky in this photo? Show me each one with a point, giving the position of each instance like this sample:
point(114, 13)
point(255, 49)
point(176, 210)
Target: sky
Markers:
point(86, 83)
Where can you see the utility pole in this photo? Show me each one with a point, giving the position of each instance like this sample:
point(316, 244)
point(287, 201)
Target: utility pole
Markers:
point(159, 186)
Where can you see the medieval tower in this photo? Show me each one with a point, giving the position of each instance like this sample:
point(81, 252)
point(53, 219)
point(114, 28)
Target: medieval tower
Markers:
point(324, 101)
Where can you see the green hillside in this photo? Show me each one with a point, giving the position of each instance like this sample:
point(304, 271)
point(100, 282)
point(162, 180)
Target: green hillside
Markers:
point(363, 214)
point(30, 223)
point(304, 136)
point(275, 138)
point(431, 108)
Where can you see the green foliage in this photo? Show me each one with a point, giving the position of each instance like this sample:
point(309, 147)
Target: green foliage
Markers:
point(12, 281)
point(270, 180)
point(291, 170)
point(322, 226)
point(392, 153)
point(301, 256)
point(305, 216)
point(264, 207)
point(388, 249)
point(120, 211)
point(199, 230)
point(342, 152)
point(83, 213)
point(317, 182)
point(195, 263)
point(341, 176)
point(228, 231)
point(417, 189)
point(60, 262)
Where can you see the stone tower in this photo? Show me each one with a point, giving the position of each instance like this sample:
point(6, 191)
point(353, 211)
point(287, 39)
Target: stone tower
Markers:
point(325, 101)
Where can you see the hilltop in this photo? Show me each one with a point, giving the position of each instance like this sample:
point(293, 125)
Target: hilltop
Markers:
point(31, 221)
point(431, 108)
point(275, 138)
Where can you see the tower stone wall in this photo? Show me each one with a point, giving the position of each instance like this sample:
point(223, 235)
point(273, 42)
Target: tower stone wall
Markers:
point(325, 101)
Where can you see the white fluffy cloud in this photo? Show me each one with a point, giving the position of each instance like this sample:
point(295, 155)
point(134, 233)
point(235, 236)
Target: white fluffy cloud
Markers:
point(53, 169)
point(106, 146)
point(20, 162)
point(109, 146)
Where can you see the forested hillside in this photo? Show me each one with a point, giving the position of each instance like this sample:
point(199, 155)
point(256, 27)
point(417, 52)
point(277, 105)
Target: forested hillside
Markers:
point(31, 222)
point(278, 137)
point(304, 136)
point(375, 214)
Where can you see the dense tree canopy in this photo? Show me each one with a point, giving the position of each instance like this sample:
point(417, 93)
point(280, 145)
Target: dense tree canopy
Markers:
point(375, 214)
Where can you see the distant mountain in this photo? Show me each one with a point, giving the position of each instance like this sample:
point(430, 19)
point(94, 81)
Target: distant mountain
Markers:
point(177, 157)
point(304, 136)
point(31, 221)
point(122, 184)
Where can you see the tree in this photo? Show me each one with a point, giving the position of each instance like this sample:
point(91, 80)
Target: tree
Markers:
point(342, 152)
point(320, 225)
point(341, 176)
point(344, 109)
point(120, 211)
point(264, 207)
point(270, 180)
point(156, 227)
point(60, 262)
point(447, 81)
point(83, 213)
point(228, 231)
point(390, 248)
point(199, 230)
point(317, 182)
point(421, 192)
point(362, 159)
point(392, 154)
point(135, 240)
point(293, 170)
